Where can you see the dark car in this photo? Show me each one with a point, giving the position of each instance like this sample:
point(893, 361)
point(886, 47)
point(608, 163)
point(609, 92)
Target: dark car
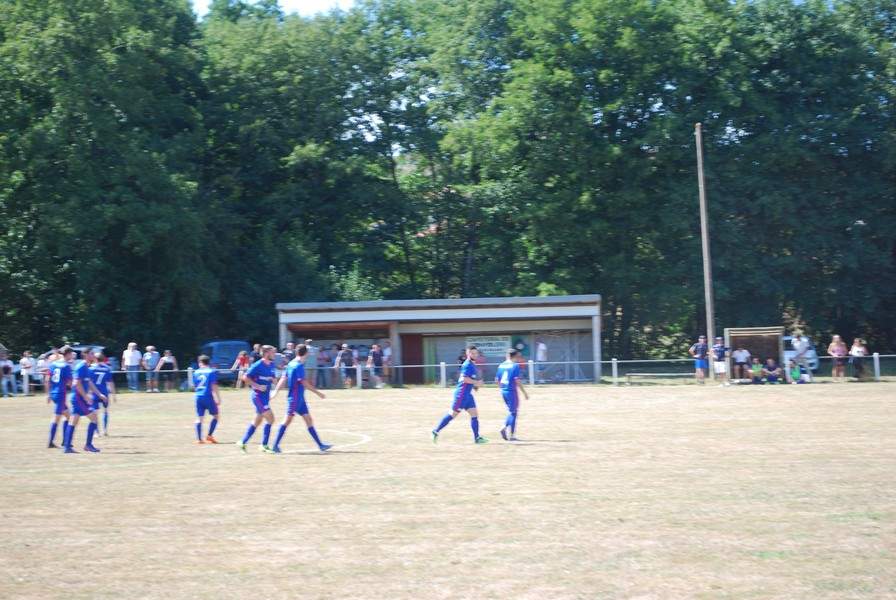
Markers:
point(222, 354)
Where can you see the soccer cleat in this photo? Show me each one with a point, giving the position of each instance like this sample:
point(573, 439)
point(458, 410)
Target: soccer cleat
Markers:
point(52, 445)
point(276, 450)
point(513, 438)
point(504, 434)
point(435, 437)
point(481, 440)
point(91, 448)
point(198, 442)
point(266, 449)
point(241, 446)
point(69, 450)
point(325, 447)
point(210, 439)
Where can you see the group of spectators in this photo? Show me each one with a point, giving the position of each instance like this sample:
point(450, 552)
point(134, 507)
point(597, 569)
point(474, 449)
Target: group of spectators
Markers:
point(753, 369)
point(157, 367)
point(329, 366)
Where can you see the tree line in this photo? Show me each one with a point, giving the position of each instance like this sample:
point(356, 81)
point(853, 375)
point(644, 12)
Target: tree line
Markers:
point(168, 179)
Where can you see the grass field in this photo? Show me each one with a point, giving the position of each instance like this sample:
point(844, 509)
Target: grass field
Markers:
point(651, 492)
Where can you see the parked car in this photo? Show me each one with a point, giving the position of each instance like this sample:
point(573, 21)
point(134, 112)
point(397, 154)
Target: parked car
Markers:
point(222, 354)
point(811, 354)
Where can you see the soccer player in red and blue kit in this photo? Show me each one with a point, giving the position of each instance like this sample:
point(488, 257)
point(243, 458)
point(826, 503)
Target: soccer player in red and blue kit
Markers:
point(259, 378)
point(58, 380)
point(208, 398)
point(82, 405)
point(295, 398)
point(101, 374)
point(508, 378)
point(467, 381)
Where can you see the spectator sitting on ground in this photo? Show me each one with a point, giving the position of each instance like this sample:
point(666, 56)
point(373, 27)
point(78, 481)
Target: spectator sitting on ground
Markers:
point(795, 373)
point(756, 370)
point(741, 358)
point(772, 372)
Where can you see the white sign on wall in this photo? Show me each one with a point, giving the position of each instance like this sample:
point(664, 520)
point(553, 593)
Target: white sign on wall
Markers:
point(490, 345)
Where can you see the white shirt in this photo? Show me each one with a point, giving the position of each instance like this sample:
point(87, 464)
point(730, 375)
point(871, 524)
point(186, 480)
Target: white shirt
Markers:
point(741, 356)
point(858, 351)
point(26, 363)
point(387, 354)
point(800, 345)
point(131, 358)
point(541, 352)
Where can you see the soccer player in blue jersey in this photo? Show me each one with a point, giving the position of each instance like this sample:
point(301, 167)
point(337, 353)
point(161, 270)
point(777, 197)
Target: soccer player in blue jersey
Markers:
point(101, 374)
point(56, 382)
point(508, 378)
point(467, 381)
point(259, 378)
point(82, 405)
point(208, 398)
point(295, 398)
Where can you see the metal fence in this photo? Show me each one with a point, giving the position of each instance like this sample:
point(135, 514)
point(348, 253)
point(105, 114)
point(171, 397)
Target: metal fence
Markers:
point(877, 367)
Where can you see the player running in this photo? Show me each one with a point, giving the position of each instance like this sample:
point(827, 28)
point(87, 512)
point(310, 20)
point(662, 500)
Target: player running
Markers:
point(467, 381)
point(82, 387)
point(101, 374)
point(56, 382)
point(508, 377)
point(259, 378)
point(295, 398)
point(208, 398)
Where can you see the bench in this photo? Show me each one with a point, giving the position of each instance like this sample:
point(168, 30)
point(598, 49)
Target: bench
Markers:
point(628, 376)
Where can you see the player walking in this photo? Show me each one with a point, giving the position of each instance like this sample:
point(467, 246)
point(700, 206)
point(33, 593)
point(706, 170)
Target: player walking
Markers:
point(295, 398)
point(82, 405)
point(101, 375)
point(700, 351)
point(508, 377)
point(467, 381)
point(208, 398)
point(259, 378)
point(57, 381)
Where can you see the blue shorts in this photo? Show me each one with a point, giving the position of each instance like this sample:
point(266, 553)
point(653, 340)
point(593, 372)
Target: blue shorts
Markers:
point(96, 402)
point(463, 402)
point(261, 405)
point(701, 363)
point(346, 372)
point(296, 406)
point(378, 371)
point(152, 376)
point(59, 406)
point(206, 404)
point(511, 400)
point(80, 406)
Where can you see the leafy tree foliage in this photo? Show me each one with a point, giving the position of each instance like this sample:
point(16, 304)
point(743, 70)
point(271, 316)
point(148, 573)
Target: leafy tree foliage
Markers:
point(169, 180)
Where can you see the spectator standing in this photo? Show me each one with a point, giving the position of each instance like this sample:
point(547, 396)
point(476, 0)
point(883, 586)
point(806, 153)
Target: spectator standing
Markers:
point(801, 348)
point(741, 358)
point(479, 360)
point(149, 363)
point(166, 368)
point(289, 352)
point(387, 361)
point(130, 360)
point(311, 359)
point(345, 363)
point(324, 360)
point(26, 368)
point(700, 352)
point(857, 354)
point(541, 358)
point(255, 355)
point(240, 365)
point(719, 353)
point(7, 382)
point(837, 349)
point(375, 365)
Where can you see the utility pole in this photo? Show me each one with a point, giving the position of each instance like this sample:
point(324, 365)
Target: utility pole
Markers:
point(704, 238)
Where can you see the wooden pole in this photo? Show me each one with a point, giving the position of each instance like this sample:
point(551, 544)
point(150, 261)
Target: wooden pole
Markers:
point(704, 238)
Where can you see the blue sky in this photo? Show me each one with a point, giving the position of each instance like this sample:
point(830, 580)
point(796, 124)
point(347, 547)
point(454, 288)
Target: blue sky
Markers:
point(303, 7)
